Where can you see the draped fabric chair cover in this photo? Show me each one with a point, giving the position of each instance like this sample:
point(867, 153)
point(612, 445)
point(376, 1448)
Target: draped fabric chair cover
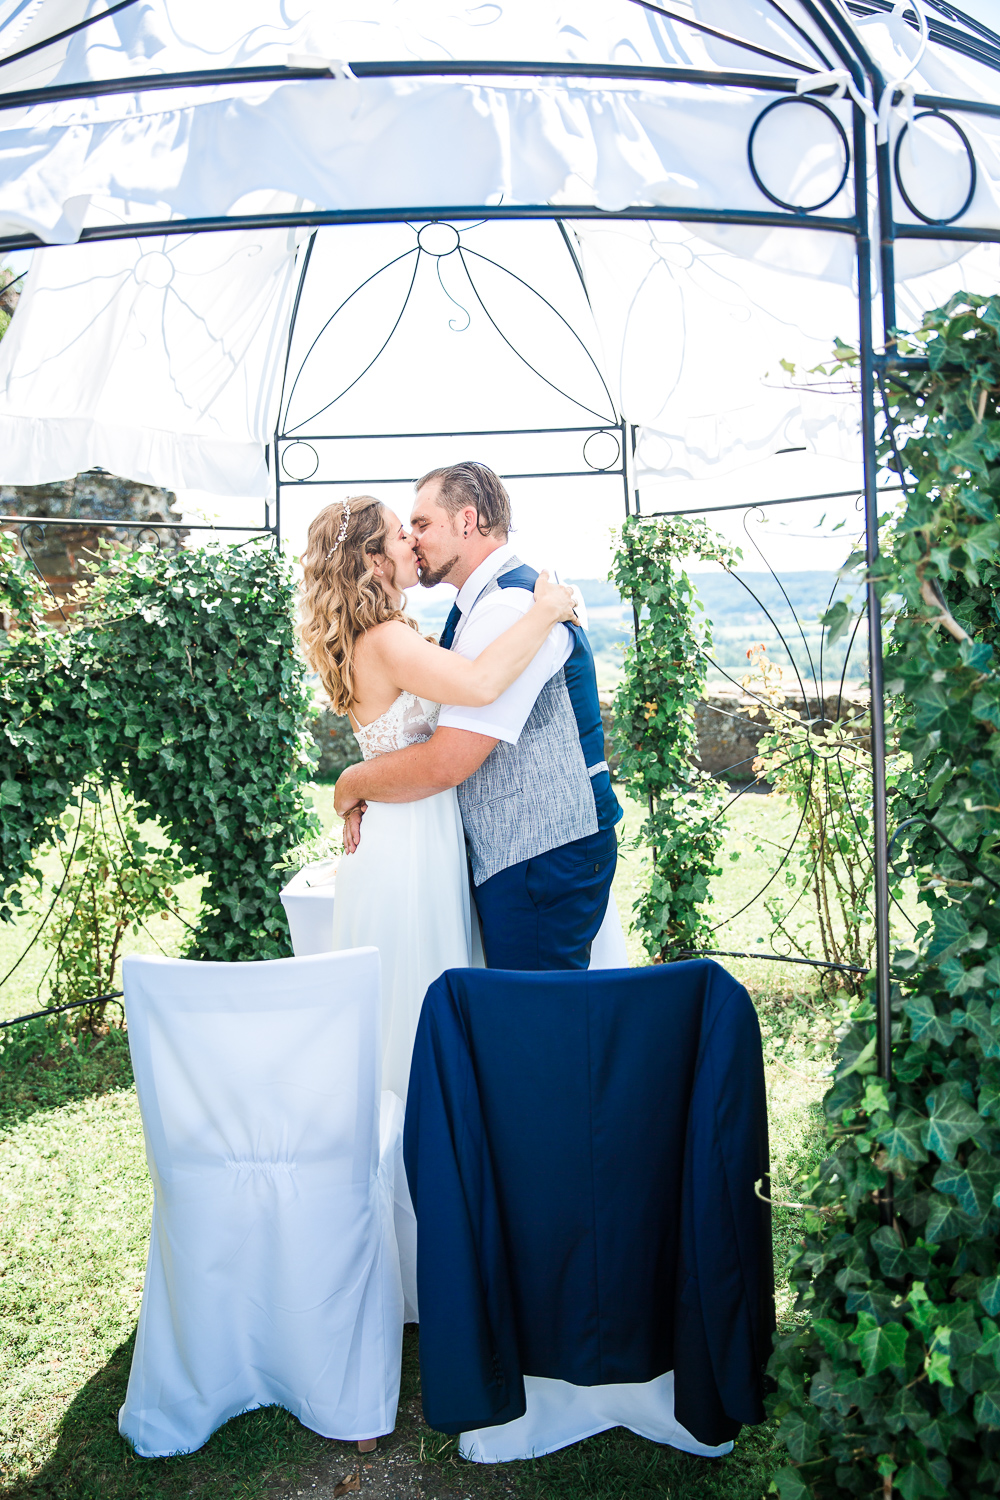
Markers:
point(581, 1151)
point(273, 1275)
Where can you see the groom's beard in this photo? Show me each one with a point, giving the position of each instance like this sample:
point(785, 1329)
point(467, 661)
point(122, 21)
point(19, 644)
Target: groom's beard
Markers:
point(429, 579)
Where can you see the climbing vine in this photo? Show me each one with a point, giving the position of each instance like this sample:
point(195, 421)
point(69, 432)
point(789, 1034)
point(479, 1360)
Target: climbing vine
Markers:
point(663, 678)
point(177, 677)
point(823, 767)
point(891, 1383)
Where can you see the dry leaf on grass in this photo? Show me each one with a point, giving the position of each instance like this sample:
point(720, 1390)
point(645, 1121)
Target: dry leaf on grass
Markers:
point(352, 1482)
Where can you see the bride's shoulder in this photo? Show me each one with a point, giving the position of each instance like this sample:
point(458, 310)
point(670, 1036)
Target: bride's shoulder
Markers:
point(390, 636)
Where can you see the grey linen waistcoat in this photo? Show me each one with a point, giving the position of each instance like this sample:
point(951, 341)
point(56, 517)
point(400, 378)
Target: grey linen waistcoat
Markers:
point(533, 796)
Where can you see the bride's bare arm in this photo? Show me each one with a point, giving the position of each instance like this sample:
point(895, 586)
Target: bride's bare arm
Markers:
point(414, 665)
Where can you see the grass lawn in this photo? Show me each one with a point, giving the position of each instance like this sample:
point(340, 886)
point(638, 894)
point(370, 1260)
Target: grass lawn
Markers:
point(74, 1220)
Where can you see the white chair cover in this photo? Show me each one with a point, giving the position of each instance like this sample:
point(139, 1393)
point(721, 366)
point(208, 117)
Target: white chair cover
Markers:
point(273, 1274)
point(559, 1414)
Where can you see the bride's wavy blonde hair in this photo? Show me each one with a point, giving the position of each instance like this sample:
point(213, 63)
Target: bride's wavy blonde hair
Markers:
point(341, 596)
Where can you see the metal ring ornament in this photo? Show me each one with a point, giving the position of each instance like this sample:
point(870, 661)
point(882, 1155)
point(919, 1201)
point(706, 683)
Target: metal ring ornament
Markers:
point(299, 478)
point(430, 230)
point(599, 468)
point(972, 168)
point(147, 536)
point(824, 109)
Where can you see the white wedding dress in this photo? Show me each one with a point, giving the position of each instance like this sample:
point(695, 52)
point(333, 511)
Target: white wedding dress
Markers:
point(405, 889)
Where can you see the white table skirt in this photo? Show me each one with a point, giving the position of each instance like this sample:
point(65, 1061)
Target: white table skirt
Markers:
point(559, 1414)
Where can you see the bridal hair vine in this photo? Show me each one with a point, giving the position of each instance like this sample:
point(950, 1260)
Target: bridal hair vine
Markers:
point(343, 529)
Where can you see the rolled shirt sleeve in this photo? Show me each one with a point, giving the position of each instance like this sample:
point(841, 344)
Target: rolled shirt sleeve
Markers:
point(489, 618)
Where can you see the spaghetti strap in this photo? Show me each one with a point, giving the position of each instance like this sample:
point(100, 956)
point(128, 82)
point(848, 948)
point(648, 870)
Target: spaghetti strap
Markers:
point(353, 720)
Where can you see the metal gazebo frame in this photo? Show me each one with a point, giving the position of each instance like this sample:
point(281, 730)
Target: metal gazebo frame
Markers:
point(842, 49)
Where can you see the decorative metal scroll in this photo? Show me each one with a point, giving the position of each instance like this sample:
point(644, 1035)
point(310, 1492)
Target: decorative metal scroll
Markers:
point(311, 451)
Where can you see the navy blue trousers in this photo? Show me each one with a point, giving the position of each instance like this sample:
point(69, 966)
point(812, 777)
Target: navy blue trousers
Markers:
point(545, 912)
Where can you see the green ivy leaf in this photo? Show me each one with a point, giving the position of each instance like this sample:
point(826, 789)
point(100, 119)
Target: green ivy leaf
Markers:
point(951, 934)
point(881, 1346)
point(799, 1431)
point(833, 1336)
point(988, 1293)
point(903, 1137)
point(977, 1018)
point(973, 1185)
point(837, 620)
point(938, 1367)
point(927, 1024)
point(951, 1121)
point(913, 1481)
point(987, 1405)
point(788, 1484)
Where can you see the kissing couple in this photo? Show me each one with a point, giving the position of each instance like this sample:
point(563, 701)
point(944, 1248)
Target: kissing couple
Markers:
point(489, 742)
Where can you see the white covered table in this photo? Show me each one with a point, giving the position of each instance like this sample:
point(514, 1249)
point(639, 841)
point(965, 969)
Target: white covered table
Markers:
point(308, 901)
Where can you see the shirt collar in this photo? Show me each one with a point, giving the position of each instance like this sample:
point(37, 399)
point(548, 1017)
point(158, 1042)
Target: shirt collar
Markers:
point(477, 581)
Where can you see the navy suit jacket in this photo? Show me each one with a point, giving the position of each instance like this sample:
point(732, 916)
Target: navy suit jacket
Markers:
point(581, 1150)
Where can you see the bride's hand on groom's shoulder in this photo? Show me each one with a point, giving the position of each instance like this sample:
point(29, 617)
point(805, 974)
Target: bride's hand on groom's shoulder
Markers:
point(352, 827)
point(555, 597)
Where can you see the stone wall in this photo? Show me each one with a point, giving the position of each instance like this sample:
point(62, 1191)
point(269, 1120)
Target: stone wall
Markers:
point(727, 737)
point(62, 554)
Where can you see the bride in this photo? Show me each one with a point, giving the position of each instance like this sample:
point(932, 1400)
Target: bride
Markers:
point(405, 888)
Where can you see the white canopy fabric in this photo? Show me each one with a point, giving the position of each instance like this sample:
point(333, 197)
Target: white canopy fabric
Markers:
point(432, 142)
point(161, 358)
point(148, 357)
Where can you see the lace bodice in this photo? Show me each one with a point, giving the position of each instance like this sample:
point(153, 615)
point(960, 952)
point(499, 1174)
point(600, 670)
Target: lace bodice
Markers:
point(406, 722)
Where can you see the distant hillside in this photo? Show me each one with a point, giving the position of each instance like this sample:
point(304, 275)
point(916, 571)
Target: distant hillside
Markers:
point(746, 609)
point(727, 596)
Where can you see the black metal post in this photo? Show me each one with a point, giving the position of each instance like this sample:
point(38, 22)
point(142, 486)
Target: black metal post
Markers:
point(880, 851)
point(883, 1010)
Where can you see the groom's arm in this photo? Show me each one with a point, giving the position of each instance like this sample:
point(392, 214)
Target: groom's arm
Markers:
point(422, 770)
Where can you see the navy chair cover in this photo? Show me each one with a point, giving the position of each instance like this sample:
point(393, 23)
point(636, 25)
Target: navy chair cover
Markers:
point(581, 1150)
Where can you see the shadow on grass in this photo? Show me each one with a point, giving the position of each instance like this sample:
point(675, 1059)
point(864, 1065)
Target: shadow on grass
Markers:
point(261, 1450)
point(44, 1064)
point(92, 1462)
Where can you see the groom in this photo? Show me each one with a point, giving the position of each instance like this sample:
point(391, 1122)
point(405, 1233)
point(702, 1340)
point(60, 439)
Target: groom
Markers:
point(533, 785)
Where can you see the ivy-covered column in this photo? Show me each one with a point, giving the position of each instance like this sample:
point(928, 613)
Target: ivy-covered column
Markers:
point(181, 678)
point(663, 679)
point(890, 1383)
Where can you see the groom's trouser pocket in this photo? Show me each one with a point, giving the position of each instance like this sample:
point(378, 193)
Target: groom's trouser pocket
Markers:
point(545, 912)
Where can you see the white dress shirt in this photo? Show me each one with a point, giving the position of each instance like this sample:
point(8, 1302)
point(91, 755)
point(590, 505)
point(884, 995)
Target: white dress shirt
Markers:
point(482, 621)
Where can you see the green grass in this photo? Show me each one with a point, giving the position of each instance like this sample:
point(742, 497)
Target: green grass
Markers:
point(26, 988)
point(74, 1222)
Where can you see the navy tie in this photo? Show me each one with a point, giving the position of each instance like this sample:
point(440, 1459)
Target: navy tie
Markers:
point(450, 625)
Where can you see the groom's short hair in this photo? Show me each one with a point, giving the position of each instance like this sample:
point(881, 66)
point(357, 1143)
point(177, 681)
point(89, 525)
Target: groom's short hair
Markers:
point(473, 484)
